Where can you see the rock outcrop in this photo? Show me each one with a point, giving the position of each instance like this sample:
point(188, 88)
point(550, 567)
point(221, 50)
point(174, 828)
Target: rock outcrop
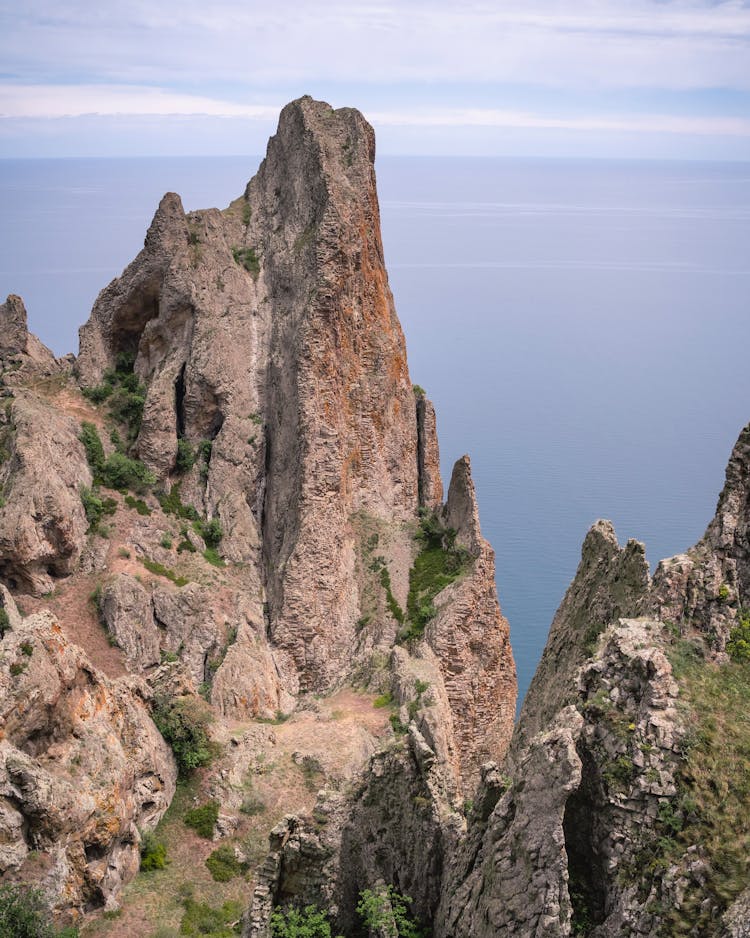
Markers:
point(255, 518)
point(83, 770)
point(266, 338)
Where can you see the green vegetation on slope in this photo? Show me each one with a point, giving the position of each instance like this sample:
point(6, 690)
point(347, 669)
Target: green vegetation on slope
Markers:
point(439, 563)
point(710, 808)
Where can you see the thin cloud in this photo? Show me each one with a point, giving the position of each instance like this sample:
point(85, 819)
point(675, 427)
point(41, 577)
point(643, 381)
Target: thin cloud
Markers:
point(611, 43)
point(56, 101)
point(46, 101)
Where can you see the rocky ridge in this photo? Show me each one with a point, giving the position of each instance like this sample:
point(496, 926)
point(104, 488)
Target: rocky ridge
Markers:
point(236, 486)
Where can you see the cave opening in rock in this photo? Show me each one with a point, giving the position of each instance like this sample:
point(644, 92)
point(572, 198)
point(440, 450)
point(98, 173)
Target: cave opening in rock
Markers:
point(587, 879)
point(131, 321)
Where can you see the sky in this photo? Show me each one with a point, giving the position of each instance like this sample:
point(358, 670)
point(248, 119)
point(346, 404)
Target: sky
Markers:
point(591, 78)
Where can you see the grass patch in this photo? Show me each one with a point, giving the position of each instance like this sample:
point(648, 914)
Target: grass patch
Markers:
point(439, 563)
point(203, 819)
point(384, 700)
point(204, 921)
point(247, 258)
point(160, 570)
point(223, 865)
point(710, 808)
point(212, 556)
point(138, 505)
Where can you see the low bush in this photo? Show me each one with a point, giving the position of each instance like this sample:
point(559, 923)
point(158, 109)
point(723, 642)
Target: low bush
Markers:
point(92, 444)
point(184, 722)
point(386, 913)
point(153, 853)
point(96, 507)
point(185, 459)
point(159, 569)
point(25, 913)
point(248, 259)
point(309, 922)
point(223, 865)
point(203, 819)
point(202, 921)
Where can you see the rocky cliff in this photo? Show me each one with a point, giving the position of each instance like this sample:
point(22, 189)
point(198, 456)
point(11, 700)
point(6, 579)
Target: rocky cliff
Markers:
point(227, 511)
point(224, 524)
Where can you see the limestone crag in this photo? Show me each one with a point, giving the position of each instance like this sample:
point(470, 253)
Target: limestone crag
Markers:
point(269, 331)
point(582, 798)
point(82, 768)
point(42, 468)
point(610, 582)
point(477, 683)
point(266, 338)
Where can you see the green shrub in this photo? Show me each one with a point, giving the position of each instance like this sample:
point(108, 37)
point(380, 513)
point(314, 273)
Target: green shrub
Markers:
point(211, 531)
point(438, 564)
point(203, 819)
point(248, 259)
point(203, 921)
point(140, 506)
point(24, 912)
point(4, 621)
point(738, 646)
point(92, 444)
point(386, 912)
point(212, 556)
point(166, 542)
point(309, 922)
point(398, 727)
point(384, 700)
point(184, 722)
point(185, 459)
point(27, 649)
point(153, 853)
point(126, 406)
point(223, 865)
point(171, 504)
point(97, 394)
point(121, 472)
point(96, 507)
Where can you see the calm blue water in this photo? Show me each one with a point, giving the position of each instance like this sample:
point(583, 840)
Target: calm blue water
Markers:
point(582, 327)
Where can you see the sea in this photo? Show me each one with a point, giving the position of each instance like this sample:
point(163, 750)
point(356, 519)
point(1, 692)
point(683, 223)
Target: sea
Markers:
point(582, 326)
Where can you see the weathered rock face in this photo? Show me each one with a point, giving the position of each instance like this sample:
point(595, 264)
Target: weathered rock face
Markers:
point(19, 349)
point(709, 584)
point(42, 521)
point(559, 854)
point(610, 582)
point(42, 464)
point(471, 640)
point(396, 827)
point(587, 840)
point(82, 767)
point(278, 402)
point(269, 331)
